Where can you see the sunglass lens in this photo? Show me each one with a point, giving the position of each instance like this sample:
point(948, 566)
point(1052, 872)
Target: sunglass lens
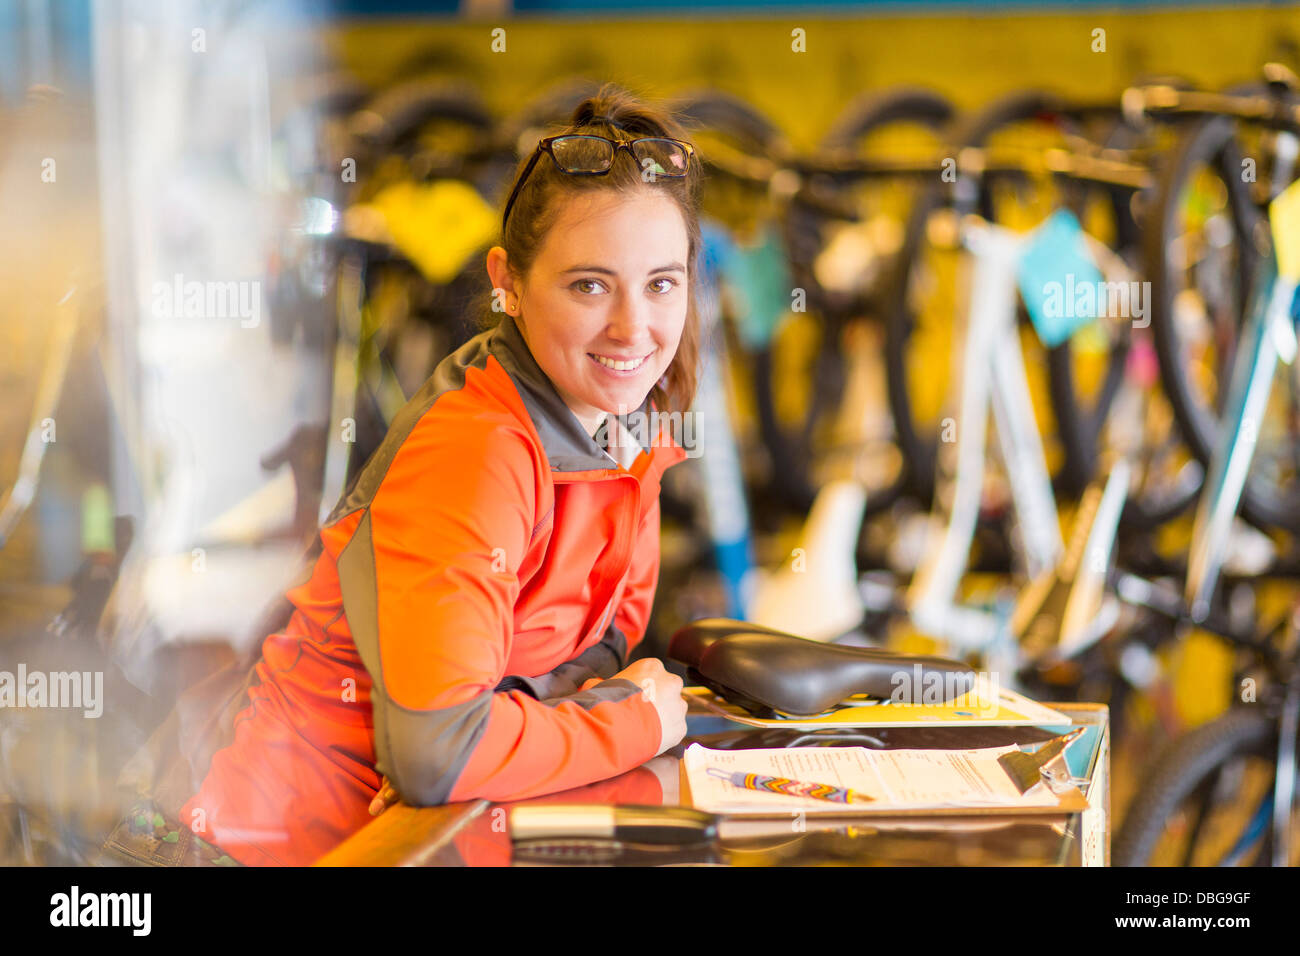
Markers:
point(583, 154)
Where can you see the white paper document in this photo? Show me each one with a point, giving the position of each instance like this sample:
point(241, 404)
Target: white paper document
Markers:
point(896, 779)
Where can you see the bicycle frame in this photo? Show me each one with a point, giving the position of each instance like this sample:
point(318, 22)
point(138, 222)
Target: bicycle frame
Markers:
point(726, 507)
point(991, 374)
point(1269, 337)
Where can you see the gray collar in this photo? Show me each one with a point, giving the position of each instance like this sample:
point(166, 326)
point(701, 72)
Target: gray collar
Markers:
point(567, 445)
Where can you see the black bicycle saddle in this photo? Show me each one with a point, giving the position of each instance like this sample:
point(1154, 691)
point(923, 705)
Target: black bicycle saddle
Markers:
point(767, 671)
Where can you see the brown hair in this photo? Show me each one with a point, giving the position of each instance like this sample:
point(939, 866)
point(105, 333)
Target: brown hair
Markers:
point(613, 112)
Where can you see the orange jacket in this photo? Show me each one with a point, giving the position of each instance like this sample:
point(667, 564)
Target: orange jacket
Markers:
point(487, 560)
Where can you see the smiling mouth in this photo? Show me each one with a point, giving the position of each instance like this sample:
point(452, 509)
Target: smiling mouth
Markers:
point(619, 365)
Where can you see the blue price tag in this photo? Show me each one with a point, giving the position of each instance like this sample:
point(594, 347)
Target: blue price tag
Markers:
point(1062, 287)
point(760, 279)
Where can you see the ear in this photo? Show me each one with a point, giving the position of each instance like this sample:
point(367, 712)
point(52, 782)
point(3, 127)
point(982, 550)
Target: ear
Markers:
point(499, 273)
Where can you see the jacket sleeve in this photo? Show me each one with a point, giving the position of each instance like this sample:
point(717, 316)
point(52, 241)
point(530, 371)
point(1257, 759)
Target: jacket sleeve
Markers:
point(603, 660)
point(445, 534)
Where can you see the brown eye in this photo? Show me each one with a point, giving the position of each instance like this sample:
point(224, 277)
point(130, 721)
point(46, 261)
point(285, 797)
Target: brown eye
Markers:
point(666, 289)
point(586, 282)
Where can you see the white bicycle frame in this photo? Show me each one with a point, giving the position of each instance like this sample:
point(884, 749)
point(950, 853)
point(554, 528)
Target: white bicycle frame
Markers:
point(1269, 337)
point(991, 373)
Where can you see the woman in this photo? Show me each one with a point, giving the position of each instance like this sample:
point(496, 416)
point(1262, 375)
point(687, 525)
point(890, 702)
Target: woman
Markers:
point(475, 594)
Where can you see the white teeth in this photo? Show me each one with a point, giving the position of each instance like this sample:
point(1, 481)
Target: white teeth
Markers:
point(618, 366)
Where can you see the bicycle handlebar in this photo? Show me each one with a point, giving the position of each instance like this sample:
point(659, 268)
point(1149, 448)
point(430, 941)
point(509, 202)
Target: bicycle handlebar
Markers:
point(1268, 108)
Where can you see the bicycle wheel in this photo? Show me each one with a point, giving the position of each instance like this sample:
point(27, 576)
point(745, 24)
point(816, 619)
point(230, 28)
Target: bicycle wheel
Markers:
point(1133, 414)
point(1208, 800)
point(395, 122)
point(1084, 372)
point(843, 425)
point(549, 112)
point(1203, 254)
point(921, 300)
point(728, 133)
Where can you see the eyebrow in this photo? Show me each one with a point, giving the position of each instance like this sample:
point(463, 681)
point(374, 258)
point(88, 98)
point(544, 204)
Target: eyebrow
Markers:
point(671, 267)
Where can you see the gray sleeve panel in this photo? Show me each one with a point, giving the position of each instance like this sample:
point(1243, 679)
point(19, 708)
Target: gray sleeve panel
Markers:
point(600, 660)
point(422, 752)
point(358, 586)
point(427, 750)
point(616, 641)
point(608, 691)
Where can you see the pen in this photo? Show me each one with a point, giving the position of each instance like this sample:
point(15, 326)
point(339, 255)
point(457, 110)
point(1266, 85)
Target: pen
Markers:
point(791, 788)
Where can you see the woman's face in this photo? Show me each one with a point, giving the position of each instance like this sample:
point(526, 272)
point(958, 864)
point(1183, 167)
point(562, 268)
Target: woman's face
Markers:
point(603, 307)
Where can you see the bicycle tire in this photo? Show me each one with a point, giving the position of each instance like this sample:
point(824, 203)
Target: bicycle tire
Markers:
point(872, 110)
point(1212, 142)
point(718, 110)
point(867, 114)
point(395, 115)
point(554, 106)
point(920, 453)
point(714, 111)
point(390, 125)
point(1182, 768)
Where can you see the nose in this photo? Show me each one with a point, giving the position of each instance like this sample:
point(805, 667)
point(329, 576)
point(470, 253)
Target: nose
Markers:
point(628, 322)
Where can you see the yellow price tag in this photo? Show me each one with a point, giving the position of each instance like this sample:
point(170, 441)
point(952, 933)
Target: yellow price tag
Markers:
point(1284, 217)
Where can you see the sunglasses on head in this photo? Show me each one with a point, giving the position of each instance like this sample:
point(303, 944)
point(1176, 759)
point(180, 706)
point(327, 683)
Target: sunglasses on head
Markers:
point(585, 154)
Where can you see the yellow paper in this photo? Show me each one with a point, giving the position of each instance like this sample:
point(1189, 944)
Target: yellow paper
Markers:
point(985, 706)
point(1284, 216)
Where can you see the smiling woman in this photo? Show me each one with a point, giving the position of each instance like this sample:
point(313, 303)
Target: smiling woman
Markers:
point(464, 628)
point(606, 328)
point(598, 253)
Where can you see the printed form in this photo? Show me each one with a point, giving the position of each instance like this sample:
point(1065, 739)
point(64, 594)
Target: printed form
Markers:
point(895, 779)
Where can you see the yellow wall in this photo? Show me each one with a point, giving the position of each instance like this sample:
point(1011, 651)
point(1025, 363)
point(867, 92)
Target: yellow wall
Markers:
point(970, 57)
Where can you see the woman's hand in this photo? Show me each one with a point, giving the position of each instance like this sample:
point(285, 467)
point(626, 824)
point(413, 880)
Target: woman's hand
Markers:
point(664, 690)
point(384, 799)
